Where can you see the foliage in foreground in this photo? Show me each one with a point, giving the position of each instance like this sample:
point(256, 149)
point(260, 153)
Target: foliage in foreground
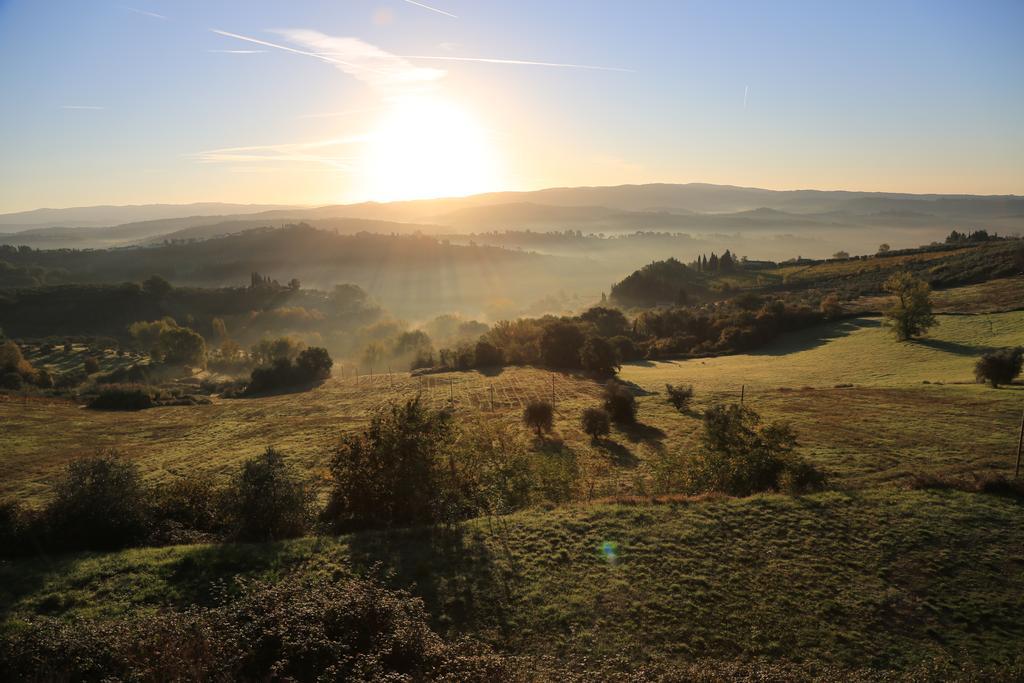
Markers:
point(741, 456)
point(300, 628)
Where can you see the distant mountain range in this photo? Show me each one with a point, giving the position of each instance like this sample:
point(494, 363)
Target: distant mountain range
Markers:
point(695, 208)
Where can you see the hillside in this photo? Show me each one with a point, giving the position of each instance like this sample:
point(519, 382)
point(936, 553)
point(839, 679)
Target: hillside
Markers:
point(884, 578)
point(885, 427)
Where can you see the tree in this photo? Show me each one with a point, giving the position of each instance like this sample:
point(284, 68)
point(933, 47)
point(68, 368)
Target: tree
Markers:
point(841, 255)
point(560, 345)
point(388, 474)
point(157, 287)
point(268, 500)
point(596, 422)
point(99, 505)
point(539, 415)
point(598, 356)
point(182, 345)
point(314, 364)
point(619, 402)
point(220, 331)
point(884, 248)
point(608, 321)
point(911, 315)
point(1000, 367)
point(486, 355)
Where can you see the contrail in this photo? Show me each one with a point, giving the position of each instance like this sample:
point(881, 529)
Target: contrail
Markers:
point(145, 13)
point(432, 9)
point(519, 61)
point(746, 89)
point(317, 55)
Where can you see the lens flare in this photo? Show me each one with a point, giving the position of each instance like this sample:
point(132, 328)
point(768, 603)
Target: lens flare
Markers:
point(610, 551)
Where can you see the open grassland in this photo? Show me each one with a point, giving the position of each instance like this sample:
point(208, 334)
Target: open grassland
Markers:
point(880, 577)
point(889, 424)
point(991, 296)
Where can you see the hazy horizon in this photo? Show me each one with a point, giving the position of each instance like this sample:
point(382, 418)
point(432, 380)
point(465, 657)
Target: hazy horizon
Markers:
point(316, 104)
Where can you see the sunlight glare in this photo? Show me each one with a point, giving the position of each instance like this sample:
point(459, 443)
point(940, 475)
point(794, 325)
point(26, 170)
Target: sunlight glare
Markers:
point(427, 147)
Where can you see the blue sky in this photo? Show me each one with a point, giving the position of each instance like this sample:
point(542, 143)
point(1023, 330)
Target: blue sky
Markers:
point(141, 101)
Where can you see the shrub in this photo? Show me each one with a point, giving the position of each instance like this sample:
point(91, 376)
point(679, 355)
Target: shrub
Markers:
point(311, 365)
point(620, 403)
point(91, 365)
point(1000, 367)
point(596, 422)
point(387, 475)
point(296, 629)
point(740, 456)
point(100, 504)
point(830, 306)
point(124, 397)
point(267, 500)
point(539, 416)
point(679, 396)
point(10, 380)
point(186, 510)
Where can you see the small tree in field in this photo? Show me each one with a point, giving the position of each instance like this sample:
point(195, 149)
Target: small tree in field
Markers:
point(596, 422)
point(679, 396)
point(1000, 367)
point(620, 403)
point(911, 315)
point(539, 415)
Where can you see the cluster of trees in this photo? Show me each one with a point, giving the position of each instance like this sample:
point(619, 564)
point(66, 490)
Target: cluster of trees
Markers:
point(662, 282)
point(102, 503)
point(309, 365)
point(168, 342)
point(727, 263)
point(957, 237)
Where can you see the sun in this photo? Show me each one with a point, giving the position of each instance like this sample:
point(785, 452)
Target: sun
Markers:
point(426, 147)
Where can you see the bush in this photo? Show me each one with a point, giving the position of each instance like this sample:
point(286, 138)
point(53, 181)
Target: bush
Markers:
point(10, 380)
point(310, 365)
point(91, 365)
point(388, 474)
point(1000, 367)
point(124, 397)
point(297, 629)
point(740, 456)
point(186, 510)
point(539, 415)
point(679, 396)
point(99, 505)
point(267, 500)
point(620, 403)
point(596, 422)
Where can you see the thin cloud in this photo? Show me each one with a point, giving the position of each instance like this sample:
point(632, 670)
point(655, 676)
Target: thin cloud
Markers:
point(324, 152)
point(338, 114)
point(368, 63)
point(432, 9)
point(90, 107)
point(524, 62)
point(145, 13)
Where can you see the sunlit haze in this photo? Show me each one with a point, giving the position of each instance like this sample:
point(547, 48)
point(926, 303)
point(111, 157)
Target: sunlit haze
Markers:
point(110, 102)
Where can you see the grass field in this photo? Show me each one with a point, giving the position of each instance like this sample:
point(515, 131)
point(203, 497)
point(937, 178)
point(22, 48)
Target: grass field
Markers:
point(881, 577)
point(889, 424)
